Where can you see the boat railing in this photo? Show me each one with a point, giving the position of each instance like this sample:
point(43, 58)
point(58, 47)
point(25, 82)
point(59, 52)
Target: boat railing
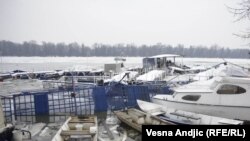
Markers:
point(53, 84)
point(93, 78)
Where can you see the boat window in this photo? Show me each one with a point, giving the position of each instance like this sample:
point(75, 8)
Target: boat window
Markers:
point(191, 97)
point(231, 89)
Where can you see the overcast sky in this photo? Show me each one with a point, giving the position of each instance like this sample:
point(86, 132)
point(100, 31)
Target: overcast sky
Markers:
point(187, 22)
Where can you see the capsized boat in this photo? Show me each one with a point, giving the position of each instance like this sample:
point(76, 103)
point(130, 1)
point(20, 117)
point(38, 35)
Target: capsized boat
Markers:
point(81, 127)
point(183, 117)
point(226, 97)
point(136, 118)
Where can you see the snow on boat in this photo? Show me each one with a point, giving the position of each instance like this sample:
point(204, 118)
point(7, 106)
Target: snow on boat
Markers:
point(184, 117)
point(152, 75)
point(136, 118)
point(130, 76)
point(84, 127)
point(222, 69)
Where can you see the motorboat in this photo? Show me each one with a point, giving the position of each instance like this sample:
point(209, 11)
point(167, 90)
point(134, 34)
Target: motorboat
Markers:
point(184, 117)
point(222, 96)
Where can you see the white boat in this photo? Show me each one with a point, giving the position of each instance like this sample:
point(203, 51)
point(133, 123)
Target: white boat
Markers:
point(226, 97)
point(78, 128)
point(183, 117)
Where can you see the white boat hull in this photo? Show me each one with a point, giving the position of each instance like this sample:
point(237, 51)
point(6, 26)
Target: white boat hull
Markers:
point(232, 112)
point(184, 117)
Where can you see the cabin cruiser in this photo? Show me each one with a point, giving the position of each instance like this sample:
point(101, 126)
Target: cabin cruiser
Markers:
point(220, 96)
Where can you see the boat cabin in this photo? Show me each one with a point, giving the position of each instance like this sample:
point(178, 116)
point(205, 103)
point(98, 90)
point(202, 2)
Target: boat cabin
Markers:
point(160, 61)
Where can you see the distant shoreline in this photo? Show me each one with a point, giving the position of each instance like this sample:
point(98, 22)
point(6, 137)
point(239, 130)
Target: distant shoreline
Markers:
point(48, 49)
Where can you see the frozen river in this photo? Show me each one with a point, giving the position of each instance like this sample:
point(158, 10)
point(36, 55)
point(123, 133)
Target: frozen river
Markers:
point(62, 63)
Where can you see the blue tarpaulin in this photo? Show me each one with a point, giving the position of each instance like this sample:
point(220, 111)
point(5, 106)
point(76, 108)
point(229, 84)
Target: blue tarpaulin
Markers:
point(118, 96)
point(100, 99)
point(41, 104)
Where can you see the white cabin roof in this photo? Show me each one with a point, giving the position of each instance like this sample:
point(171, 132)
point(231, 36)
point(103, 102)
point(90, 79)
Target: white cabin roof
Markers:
point(207, 85)
point(165, 55)
point(234, 80)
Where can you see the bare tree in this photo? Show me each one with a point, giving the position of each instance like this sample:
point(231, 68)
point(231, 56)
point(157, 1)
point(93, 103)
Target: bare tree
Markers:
point(242, 12)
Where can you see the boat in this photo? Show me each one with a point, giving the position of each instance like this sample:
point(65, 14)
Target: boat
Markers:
point(166, 67)
point(221, 96)
point(184, 117)
point(78, 127)
point(136, 118)
point(163, 62)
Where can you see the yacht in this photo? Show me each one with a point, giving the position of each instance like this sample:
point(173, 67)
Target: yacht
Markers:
point(226, 97)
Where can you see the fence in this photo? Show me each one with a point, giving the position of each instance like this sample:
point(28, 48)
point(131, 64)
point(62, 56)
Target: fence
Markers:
point(31, 106)
point(7, 108)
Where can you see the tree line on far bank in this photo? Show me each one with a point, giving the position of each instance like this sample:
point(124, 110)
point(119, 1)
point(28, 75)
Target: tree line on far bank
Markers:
point(32, 48)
